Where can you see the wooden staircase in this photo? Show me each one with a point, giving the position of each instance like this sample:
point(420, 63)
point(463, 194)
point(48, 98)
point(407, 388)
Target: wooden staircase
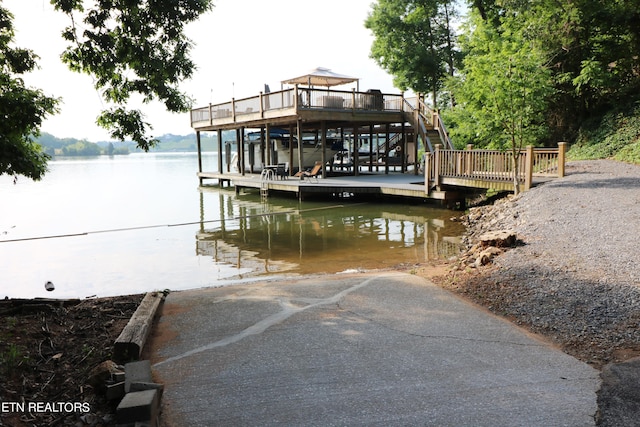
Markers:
point(427, 124)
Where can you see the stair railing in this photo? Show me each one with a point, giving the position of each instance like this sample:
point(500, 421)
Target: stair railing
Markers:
point(433, 117)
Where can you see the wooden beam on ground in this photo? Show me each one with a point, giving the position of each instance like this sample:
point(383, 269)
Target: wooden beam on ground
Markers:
point(129, 344)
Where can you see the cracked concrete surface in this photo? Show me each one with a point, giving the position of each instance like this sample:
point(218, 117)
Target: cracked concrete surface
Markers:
point(365, 349)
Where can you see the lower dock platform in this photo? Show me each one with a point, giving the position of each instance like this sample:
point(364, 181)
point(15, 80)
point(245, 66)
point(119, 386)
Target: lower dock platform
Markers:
point(402, 185)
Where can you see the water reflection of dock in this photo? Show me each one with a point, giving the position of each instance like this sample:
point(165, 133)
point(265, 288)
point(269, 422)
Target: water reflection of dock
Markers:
point(267, 238)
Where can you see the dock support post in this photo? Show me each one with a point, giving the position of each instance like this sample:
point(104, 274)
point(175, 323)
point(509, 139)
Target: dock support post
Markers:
point(227, 156)
point(323, 141)
point(199, 144)
point(403, 150)
point(300, 150)
point(387, 131)
point(436, 173)
point(271, 160)
point(427, 173)
point(240, 142)
point(370, 148)
point(290, 147)
point(356, 149)
point(562, 149)
point(220, 150)
point(263, 145)
point(416, 161)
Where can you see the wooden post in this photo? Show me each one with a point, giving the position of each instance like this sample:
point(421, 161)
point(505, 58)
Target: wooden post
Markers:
point(370, 148)
point(415, 147)
point(436, 169)
point(290, 160)
point(353, 99)
point(300, 154)
point(199, 144)
point(562, 149)
point(356, 148)
point(469, 163)
point(261, 108)
point(427, 172)
point(323, 141)
point(240, 144)
point(528, 177)
point(403, 149)
point(387, 130)
point(220, 168)
point(267, 143)
point(264, 154)
point(233, 109)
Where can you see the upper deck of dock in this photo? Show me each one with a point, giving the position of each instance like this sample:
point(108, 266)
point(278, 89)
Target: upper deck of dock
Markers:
point(308, 105)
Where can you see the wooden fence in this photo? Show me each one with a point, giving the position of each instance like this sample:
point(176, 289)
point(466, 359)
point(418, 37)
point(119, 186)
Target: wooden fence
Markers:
point(492, 168)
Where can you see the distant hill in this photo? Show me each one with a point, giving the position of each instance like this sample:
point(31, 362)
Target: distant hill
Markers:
point(81, 147)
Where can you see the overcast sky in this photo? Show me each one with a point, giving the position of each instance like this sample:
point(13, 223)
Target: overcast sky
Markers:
point(240, 46)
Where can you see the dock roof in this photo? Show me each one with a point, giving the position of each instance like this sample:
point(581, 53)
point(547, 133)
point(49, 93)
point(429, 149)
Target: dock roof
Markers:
point(321, 77)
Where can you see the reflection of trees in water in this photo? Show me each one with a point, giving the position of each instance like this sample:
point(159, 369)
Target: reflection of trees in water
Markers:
point(270, 238)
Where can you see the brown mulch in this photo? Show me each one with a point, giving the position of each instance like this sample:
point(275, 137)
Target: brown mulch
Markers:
point(47, 349)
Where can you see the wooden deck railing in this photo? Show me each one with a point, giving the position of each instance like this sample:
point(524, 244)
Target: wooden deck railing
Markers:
point(485, 167)
point(418, 106)
point(298, 98)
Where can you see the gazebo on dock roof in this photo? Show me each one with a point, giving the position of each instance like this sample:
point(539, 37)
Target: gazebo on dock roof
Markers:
point(322, 77)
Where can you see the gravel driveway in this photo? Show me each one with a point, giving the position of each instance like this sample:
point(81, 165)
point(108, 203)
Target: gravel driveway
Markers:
point(575, 277)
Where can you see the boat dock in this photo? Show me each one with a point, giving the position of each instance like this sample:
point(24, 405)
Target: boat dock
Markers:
point(408, 135)
point(401, 185)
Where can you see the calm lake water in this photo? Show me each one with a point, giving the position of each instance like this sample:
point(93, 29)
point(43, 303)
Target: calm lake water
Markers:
point(130, 224)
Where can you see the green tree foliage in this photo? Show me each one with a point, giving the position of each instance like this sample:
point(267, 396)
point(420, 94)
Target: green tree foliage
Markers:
point(414, 42)
point(591, 48)
point(81, 148)
point(132, 48)
point(587, 52)
point(22, 109)
point(502, 91)
point(136, 51)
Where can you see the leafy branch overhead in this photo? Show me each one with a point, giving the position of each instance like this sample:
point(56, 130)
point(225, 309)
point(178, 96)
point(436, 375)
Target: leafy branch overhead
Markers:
point(22, 109)
point(132, 49)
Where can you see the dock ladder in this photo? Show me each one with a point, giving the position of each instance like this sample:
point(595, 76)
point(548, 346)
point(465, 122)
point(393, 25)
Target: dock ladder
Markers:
point(266, 176)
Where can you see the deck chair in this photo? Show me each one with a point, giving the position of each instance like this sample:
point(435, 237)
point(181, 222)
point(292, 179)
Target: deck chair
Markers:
point(313, 173)
point(282, 170)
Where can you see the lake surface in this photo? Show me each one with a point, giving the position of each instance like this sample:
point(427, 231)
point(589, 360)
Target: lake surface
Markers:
point(130, 224)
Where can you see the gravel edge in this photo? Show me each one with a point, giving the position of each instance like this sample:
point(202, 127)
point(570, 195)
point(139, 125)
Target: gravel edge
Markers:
point(573, 276)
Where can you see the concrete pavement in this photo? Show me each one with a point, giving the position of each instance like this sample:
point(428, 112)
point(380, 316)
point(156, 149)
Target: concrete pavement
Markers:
point(380, 349)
